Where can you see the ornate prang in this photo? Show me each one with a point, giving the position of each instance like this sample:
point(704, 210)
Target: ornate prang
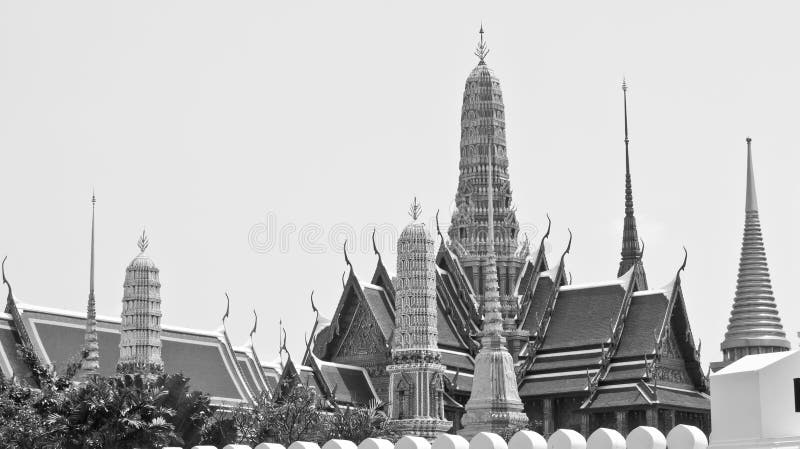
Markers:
point(494, 404)
point(140, 334)
point(415, 375)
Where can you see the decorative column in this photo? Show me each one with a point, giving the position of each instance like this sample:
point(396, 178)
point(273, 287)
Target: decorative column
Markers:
point(651, 417)
point(140, 334)
point(549, 423)
point(622, 421)
point(416, 374)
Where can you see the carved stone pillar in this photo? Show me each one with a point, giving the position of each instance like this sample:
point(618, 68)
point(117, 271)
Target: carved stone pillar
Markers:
point(549, 424)
point(622, 421)
point(501, 275)
point(670, 421)
point(585, 418)
point(652, 417)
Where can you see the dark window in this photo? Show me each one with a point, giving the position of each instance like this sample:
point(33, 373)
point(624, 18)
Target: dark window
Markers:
point(797, 394)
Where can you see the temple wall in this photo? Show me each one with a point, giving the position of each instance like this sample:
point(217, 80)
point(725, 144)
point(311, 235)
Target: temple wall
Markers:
point(680, 437)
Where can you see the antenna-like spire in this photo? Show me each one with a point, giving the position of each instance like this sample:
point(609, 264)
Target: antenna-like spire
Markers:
point(630, 236)
point(751, 202)
point(90, 362)
point(481, 50)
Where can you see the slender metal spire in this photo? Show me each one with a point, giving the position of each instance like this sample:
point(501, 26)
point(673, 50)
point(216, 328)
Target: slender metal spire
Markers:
point(630, 236)
point(90, 363)
point(751, 202)
point(755, 325)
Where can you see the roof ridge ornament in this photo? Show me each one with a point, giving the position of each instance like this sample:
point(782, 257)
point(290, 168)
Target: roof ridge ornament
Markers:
point(415, 210)
point(374, 248)
point(481, 50)
point(143, 242)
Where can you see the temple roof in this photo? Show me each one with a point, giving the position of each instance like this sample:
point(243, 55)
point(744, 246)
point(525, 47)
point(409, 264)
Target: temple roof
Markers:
point(57, 336)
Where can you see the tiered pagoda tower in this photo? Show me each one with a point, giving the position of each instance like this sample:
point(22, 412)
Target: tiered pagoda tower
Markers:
point(90, 364)
point(140, 339)
point(754, 326)
point(416, 374)
point(483, 137)
point(494, 405)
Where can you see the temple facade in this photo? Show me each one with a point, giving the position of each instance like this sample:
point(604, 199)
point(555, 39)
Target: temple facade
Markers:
point(615, 353)
point(754, 326)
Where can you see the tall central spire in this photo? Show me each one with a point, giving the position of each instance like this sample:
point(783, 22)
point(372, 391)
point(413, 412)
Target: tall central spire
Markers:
point(631, 251)
point(90, 364)
point(494, 404)
point(483, 137)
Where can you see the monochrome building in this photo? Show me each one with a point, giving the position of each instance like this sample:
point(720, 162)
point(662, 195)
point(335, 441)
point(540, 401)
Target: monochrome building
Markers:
point(480, 329)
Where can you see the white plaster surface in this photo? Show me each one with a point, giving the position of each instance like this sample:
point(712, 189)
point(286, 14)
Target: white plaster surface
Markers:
point(646, 437)
point(603, 438)
point(752, 402)
point(447, 441)
point(527, 439)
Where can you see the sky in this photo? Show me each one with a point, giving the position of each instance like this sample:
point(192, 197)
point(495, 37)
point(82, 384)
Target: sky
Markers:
point(251, 138)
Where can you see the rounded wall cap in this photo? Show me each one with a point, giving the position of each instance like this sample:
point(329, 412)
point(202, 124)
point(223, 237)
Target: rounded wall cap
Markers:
point(603, 438)
point(527, 439)
point(447, 441)
point(687, 437)
point(646, 437)
point(566, 439)
point(487, 440)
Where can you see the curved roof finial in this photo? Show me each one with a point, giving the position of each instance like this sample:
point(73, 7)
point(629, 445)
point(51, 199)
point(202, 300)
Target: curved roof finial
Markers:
point(227, 309)
point(415, 210)
point(374, 246)
point(313, 306)
point(569, 244)
point(641, 251)
point(5, 281)
point(344, 275)
point(143, 242)
point(346, 259)
point(255, 325)
point(438, 229)
point(481, 50)
point(685, 257)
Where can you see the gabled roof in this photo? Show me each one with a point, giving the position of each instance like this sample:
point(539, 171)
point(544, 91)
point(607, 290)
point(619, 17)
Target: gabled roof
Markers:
point(351, 384)
point(205, 357)
point(583, 316)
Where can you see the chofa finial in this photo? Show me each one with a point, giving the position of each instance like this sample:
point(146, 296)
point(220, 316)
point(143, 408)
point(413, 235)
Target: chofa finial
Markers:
point(482, 50)
point(143, 241)
point(415, 210)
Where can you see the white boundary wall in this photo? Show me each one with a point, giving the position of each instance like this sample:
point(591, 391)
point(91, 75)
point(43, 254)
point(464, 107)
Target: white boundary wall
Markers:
point(680, 437)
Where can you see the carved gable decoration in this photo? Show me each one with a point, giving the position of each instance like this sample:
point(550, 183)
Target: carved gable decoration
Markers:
point(671, 368)
point(363, 337)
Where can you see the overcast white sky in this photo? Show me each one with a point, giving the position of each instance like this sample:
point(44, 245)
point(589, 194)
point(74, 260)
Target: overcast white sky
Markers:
point(203, 121)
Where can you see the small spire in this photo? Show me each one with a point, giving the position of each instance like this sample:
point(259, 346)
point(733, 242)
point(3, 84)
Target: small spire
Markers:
point(143, 241)
point(415, 210)
point(751, 202)
point(482, 50)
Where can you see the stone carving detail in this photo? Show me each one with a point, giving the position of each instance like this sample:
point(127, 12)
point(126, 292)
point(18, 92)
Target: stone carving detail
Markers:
point(140, 334)
point(415, 383)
